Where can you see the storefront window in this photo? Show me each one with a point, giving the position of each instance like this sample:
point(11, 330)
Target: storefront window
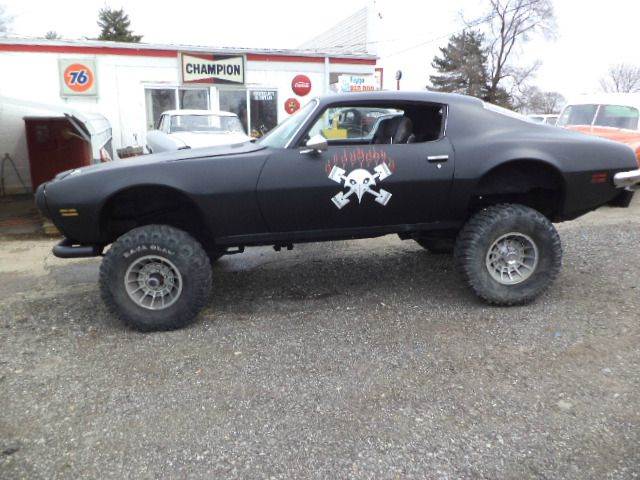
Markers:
point(160, 100)
point(264, 111)
point(235, 101)
point(193, 99)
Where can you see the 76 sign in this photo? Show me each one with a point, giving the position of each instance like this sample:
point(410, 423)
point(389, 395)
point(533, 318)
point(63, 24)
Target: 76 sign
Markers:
point(78, 78)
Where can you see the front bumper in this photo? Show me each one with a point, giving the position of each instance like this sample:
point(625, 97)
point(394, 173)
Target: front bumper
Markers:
point(629, 179)
point(41, 200)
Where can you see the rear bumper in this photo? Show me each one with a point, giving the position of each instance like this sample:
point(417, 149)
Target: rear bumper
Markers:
point(67, 249)
point(629, 179)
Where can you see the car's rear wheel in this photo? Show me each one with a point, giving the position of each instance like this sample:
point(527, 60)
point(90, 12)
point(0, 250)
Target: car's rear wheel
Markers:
point(155, 277)
point(508, 254)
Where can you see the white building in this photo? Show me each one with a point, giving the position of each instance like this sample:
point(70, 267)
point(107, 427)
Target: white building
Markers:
point(131, 84)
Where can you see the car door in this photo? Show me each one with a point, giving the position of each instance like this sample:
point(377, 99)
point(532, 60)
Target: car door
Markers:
point(355, 184)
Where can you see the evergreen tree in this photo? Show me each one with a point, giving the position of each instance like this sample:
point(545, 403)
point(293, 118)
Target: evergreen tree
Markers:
point(114, 25)
point(462, 65)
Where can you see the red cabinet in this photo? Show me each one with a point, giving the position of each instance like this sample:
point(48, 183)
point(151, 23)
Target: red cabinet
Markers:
point(54, 146)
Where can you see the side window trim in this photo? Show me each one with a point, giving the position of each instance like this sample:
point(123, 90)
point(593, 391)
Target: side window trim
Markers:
point(310, 123)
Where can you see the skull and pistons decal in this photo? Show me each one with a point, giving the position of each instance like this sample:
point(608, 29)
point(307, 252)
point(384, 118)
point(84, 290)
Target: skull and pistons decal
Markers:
point(361, 180)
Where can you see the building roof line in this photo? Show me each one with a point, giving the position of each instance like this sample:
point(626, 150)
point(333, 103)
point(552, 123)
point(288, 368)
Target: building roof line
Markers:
point(171, 50)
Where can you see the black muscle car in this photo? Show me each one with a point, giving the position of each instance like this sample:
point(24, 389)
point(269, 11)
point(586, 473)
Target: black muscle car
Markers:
point(448, 171)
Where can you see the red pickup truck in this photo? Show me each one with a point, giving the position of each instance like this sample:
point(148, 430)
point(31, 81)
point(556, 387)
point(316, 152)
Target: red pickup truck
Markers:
point(615, 116)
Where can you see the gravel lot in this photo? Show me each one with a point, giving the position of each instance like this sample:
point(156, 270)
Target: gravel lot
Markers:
point(359, 359)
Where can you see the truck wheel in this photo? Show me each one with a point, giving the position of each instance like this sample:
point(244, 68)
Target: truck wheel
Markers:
point(155, 277)
point(436, 245)
point(508, 254)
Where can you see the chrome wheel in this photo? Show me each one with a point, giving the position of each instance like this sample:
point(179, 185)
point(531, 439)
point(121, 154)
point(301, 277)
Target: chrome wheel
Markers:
point(512, 258)
point(153, 282)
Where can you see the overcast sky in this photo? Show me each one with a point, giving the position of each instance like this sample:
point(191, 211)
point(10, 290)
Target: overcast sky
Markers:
point(591, 35)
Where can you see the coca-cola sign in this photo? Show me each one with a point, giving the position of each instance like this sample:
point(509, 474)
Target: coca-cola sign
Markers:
point(301, 85)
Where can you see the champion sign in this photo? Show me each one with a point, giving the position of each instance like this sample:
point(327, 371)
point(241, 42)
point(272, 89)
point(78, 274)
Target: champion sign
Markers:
point(211, 68)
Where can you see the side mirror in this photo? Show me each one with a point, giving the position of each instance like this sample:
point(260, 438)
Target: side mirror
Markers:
point(316, 144)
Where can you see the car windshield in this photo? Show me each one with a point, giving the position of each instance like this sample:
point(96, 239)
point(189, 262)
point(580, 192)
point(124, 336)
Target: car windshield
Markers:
point(618, 116)
point(205, 123)
point(280, 136)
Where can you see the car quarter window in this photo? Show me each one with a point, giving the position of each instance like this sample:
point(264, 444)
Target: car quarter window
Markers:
point(382, 123)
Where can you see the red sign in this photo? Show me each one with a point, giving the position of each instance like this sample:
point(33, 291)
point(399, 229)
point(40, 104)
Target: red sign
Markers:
point(291, 105)
point(78, 77)
point(301, 85)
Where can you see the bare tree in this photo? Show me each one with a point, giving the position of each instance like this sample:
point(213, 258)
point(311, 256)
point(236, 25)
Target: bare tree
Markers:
point(52, 35)
point(5, 20)
point(621, 78)
point(534, 100)
point(511, 24)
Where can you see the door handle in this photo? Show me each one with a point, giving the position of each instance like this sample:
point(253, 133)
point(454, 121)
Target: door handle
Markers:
point(437, 158)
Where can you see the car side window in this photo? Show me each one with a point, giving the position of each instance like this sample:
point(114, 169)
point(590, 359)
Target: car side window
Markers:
point(347, 122)
point(381, 124)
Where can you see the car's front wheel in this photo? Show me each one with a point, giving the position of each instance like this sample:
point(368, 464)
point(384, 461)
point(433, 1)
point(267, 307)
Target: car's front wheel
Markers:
point(508, 254)
point(155, 277)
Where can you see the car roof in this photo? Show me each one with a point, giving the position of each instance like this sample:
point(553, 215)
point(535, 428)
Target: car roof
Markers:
point(623, 99)
point(220, 113)
point(402, 96)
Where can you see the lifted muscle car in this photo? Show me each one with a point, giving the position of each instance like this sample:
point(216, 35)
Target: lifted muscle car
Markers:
point(447, 171)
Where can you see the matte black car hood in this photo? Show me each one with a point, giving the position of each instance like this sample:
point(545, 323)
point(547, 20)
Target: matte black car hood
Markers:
point(188, 153)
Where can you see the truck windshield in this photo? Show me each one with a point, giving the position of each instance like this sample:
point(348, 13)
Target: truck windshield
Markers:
point(617, 116)
point(279, 137)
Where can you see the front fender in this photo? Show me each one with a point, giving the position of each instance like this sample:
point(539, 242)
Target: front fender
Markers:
point(222, 188)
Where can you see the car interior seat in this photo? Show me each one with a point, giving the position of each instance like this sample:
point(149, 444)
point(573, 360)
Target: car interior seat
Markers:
point(394, 130)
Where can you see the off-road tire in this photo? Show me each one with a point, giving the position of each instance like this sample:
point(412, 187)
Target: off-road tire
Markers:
point(169, 243)
point(437, 245)
point(488, 225)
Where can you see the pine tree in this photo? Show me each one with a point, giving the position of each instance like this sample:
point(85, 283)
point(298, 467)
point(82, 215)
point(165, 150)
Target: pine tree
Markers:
point(462, 66)
point(114, 25)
